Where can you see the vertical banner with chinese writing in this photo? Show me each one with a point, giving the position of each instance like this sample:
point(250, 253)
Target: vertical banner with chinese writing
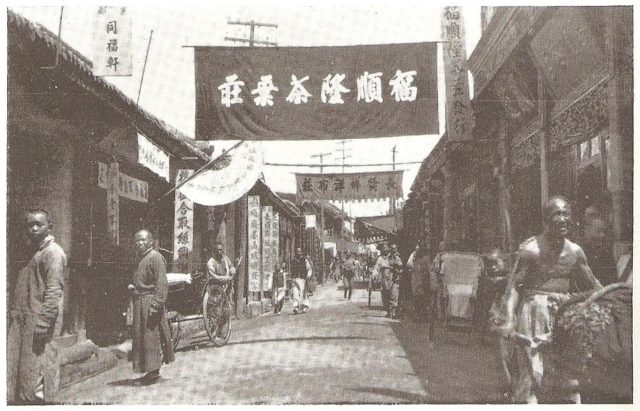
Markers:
point(267, 243)
point(112, 42)
point(275, 238)
point(253, 243)
point(113, 203)
point(182, 227)
point(458, 107)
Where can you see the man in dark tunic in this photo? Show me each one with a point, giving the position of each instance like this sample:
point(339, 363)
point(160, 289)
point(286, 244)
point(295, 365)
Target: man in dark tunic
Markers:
point(151, 333)
point(36, 313)
point(548, 268)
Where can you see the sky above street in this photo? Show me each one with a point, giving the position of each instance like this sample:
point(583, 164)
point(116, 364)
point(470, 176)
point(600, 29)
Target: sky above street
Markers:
point(168, 90)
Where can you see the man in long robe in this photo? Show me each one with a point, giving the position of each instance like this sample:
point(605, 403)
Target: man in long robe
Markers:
point(151, 333)
point(300, 273)
point(36, 314)
point(548, 268)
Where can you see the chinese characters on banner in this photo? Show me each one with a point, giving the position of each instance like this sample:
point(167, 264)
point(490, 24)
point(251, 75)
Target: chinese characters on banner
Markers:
point(128, 187)
point(112, 42)
point(286, 93)
point(458, 106)
point(350, 187)
point(113, 204)
point(253, 244)
point(182, 227)
point(223, 186)
point(267, 243)
point(153, 157)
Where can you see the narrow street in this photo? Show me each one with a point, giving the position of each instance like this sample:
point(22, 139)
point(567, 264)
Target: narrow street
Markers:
point(339, 352)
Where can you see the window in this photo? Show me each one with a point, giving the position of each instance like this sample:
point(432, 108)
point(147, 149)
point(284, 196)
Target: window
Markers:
point(589, 149)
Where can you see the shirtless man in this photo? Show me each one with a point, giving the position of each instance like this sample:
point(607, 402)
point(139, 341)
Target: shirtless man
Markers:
point(549, 266)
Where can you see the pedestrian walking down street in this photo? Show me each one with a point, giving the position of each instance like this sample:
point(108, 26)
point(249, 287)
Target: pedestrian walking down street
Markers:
point(349, 271)
point(548, 268)
point(279, 288)
point(418, 268)
point(151, 333)
point(382, 272)
point(300, 272)
point(36, 315)
point(397, 272)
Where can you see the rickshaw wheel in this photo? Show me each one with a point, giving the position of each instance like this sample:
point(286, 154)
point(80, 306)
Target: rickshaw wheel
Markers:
point(216, 310)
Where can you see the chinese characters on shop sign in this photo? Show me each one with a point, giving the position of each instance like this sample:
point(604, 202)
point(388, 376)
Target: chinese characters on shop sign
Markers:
point(183, 227)
point(458, 106)
point(355, 187)
point(253, 231)
point(112, 42)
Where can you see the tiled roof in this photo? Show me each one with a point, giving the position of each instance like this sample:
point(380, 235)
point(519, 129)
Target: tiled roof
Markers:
point(72, 62)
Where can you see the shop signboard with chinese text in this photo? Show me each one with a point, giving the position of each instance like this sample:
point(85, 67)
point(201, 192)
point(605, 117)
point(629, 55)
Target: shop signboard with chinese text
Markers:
point(287, 93)
point(127, 186)
point(112, 42)
point(182, 228)
point(113, 204)
point(153, 157)
point(267, 243)
point(458, 106)
point(253, 244)
point(350, 187)
point(275, 238)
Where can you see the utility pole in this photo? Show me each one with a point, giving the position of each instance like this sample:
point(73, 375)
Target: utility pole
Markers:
point(252, 42)
point(252, 29)
point(322, 156)
point(344, 151)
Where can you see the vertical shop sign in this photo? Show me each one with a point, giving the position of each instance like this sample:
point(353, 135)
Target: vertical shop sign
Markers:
point(253, 243)
point(211, 218)
point(113, 204)
point(458, 106)
point(112, 42)
point(182, 227)
point(275, 238)
point(267, 253)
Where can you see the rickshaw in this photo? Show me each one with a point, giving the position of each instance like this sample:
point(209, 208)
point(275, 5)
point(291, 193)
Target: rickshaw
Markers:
point(453, 304)
point(193, 297)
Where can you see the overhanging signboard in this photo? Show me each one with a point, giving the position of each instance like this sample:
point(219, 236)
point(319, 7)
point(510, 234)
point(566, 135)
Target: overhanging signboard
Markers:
point(377, 185)
point(286, 93)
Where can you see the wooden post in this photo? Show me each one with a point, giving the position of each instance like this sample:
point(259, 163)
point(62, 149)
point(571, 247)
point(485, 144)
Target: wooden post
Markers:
point(544, 119)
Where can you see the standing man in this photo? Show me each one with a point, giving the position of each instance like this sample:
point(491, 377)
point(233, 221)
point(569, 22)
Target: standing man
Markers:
point(418, 270)
point(151, 333)
point(349, 271)
point(300, 272)
point(549, 266)
point(397, 273)
point(382, 272)
point(36, 315)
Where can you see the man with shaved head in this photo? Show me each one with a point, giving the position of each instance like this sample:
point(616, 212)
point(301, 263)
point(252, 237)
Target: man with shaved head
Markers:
point(548, 268)
point(151, 335)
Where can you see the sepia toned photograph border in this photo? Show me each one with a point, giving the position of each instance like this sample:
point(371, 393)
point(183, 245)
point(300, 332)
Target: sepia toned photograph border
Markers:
point(319, 203)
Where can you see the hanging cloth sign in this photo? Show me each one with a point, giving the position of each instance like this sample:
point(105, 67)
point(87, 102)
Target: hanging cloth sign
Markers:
point(253, 245)
point(112, 42)
point(153, 157)
point(238, 174)
point(267, 244)
point(310, 221)
point(292, 93)
point(458, 106)
point(183, 227)
point(350, 187)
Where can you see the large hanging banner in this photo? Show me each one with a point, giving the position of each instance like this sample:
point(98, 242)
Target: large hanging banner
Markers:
point(253, 227)
point(350, 187)
point(267, 252)
point(292, 93)
point(183, 227)
point(237, 175)
point(458, 106)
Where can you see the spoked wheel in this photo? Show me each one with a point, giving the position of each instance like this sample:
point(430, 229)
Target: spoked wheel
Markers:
point(216, 310)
